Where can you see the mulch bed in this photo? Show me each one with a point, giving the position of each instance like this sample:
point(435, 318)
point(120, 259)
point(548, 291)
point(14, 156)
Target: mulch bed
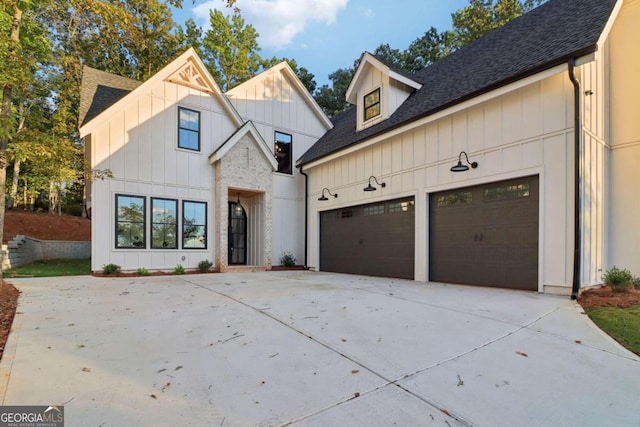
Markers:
point(605, 297)
point(8, 303)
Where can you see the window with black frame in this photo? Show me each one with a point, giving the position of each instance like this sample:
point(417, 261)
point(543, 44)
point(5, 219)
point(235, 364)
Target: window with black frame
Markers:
point(283, 152)
point(194, 225)
point(372, 104)
point(130, 222)
point(188, 129)
point(164, 223)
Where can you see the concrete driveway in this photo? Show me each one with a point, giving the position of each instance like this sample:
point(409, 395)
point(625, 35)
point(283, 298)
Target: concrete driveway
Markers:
point(311, 349)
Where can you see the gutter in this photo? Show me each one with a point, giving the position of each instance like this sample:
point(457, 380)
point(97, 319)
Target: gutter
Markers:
point(577, 229)
point(306, 216)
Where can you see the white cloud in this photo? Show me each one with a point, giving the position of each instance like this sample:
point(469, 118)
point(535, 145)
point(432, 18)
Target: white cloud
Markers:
point(277, 21)
point(368, 13)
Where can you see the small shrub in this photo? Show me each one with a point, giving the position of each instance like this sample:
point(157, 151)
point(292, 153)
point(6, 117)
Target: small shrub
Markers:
point(636, 282)
point(111, 269)
point(205, 265)
point(287, 259)
point(619, 280)
point(179, 269)
point(142, 271)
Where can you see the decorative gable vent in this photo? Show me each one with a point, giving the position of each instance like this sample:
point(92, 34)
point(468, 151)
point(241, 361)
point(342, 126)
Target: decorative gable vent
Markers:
point(191, 76)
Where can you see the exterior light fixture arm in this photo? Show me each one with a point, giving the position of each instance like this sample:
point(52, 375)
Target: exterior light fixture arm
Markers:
point(371, 187)
point(462, 168)
point(324, 198)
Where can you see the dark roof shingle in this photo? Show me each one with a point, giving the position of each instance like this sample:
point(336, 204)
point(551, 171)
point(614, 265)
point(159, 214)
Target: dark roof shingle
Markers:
point(545, 37)
point(100, 90)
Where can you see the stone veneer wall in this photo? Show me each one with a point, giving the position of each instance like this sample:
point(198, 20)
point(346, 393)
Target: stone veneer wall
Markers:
point(24, 250)
point(243, 167)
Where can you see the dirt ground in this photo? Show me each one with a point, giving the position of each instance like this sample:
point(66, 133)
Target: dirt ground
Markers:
point(45, 227)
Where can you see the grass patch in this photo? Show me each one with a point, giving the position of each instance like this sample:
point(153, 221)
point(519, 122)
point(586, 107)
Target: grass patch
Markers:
point(623, 324)
point(51, 268)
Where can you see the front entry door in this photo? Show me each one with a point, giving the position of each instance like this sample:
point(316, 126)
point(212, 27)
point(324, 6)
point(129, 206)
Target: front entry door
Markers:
point(237, 234)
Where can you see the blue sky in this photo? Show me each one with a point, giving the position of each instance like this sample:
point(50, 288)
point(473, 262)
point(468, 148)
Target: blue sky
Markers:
point(324, 35)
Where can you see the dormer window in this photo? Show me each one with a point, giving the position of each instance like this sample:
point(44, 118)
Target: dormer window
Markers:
point(372, 105)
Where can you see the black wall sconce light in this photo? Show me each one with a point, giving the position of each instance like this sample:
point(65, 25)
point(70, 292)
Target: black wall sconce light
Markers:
point(323, 198)
point(462, 168)
point(371, 187)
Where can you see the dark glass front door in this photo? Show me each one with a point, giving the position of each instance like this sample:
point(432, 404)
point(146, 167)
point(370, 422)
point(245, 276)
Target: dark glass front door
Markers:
point(237, 234)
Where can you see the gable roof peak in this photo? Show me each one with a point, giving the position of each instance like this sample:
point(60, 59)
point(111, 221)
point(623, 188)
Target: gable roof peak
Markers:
point(369, 60)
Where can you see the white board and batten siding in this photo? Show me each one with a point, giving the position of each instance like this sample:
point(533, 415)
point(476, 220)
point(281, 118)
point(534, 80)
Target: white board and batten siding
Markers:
point(623, 225)
point(138, 144)
point(273, 103)
point(525, 131)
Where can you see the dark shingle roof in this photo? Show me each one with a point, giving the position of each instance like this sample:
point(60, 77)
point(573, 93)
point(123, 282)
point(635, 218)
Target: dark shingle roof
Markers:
point(100, 90)
point(545, 37)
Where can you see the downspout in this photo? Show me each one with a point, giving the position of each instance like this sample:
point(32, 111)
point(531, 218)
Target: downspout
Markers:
point(306, 219)
point(577, 229)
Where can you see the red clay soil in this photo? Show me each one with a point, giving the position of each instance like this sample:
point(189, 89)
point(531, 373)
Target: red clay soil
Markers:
point(43, 226)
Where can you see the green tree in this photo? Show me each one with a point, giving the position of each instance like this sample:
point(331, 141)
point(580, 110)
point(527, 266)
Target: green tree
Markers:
point(190, 36)
point(332, 99)
point(231, 49)
point(19, 54)
point(429, 48)
point(483, 16)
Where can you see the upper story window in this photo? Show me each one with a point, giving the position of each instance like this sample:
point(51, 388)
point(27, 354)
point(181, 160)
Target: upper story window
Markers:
point(188, 129)
point(372, 104)
point(130, 221)
point(283, 152)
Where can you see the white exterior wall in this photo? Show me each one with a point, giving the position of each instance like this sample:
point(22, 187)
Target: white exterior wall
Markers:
point(371, 80)
point(623, 108)
point(273, 103)
point(594, 152)
point(520, 130)
point(139, 145)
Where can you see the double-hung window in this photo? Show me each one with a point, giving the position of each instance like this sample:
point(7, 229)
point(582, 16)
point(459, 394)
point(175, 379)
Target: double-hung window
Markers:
point(188, 129)
point(372, 105)
point(130, 222)
point(164, 224)
point(194, 225)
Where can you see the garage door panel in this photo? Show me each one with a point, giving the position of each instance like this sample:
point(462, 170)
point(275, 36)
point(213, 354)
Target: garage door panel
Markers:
point(375, 239)
point(489, 238)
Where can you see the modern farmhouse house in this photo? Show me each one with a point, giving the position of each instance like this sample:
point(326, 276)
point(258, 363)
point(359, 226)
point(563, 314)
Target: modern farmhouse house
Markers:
point(512, 162)
point(194, 172)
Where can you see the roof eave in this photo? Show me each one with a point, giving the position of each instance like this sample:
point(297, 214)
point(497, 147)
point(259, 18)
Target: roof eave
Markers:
point(564, 59)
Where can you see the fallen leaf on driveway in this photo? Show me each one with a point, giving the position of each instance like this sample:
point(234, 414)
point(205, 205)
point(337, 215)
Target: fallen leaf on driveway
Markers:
point(578, 342)
point(343, 340)
point(86, 369)
point(522, 354)
point(355, 371)
point(153, 396)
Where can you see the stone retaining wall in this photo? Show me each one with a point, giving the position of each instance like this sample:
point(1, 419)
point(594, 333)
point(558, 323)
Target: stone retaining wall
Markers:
point(24, 250)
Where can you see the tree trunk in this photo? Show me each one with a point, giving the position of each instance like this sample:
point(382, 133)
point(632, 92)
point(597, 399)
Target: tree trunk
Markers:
point(5, 115)
point(13, 194)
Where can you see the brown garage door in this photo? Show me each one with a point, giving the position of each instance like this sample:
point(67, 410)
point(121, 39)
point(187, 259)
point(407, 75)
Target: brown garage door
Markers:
point(486, 235)
point(375, 239)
